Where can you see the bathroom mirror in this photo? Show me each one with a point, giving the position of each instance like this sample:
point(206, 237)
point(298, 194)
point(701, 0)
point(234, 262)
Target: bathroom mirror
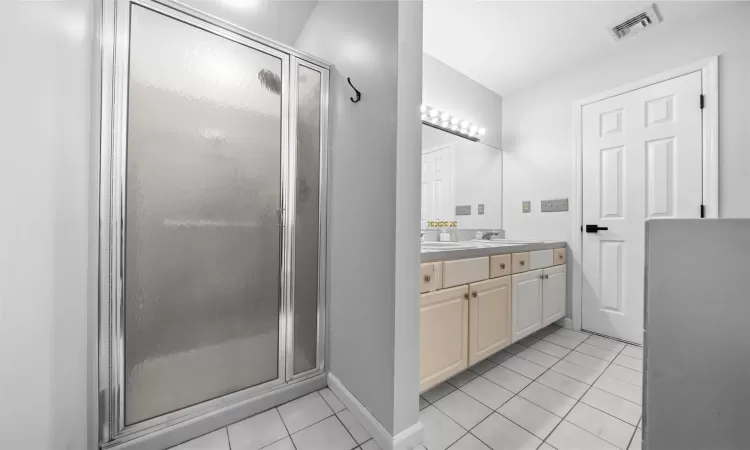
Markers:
point(462, 181)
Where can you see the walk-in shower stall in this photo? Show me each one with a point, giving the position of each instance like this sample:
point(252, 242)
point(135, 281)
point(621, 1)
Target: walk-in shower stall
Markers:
point(212, 208)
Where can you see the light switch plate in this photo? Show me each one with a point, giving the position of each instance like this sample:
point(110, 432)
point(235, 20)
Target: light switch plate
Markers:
point(463, 210)
point(480, 209)
point(560, 204)
point(526, 206)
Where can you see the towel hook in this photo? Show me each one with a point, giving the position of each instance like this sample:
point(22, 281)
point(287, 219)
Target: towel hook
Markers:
point(359, 94)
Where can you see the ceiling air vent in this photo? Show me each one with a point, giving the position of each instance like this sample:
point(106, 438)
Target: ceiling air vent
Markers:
point(635, 24)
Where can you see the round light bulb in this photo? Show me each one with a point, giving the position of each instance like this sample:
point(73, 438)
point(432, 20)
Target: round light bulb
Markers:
point(445, 116)
point(454, 121)
point(445, 124)
point(434, 113)
point(424, 116)
point(464, 124)
point(473, 129)
point(423, 109)
point(454, 127)
point(434, 120)
point(482, 131)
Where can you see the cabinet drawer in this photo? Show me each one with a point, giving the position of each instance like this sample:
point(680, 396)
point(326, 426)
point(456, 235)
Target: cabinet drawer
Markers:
point(540, 259)
point(431, 277)
point(499, 266)
point(559, 256)
point(465, 271)
point(520, 262)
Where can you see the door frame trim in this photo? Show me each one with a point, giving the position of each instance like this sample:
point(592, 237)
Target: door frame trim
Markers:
point(709, 69)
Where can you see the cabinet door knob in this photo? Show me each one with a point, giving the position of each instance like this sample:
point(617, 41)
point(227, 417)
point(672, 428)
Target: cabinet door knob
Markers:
point(427, 278)
point(522, 263)
point(466, 296)
point(474, 294)
point(502, 265)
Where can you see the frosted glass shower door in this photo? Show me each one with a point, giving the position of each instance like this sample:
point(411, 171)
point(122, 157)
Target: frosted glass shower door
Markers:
point(203, 240)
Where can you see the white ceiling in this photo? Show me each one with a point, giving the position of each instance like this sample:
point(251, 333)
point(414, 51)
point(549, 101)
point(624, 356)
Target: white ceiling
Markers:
point(510, 45)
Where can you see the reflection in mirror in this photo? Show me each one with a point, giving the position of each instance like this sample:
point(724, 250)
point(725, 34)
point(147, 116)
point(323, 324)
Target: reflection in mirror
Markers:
point(458, 176)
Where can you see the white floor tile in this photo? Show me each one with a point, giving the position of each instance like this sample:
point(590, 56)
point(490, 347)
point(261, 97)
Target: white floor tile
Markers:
point(508, 379)
point(640, 422)
point(469, 442)
point(606, 344)
point(423, 403)
point(332, 400)
point(502, 356)
point(637, 442)
point(530, 417)
point(562, 341)
point(372, 445)
point(569, 437)
point(482, 366)
point(524, 367)
point(606, 427)
point(326, 435)
point(537, 357)
point(613, 405)
point(630, 363)
point(633, 352)
point(502, 434)
point(623, 373)
point(353, 426)
point(551, 349)
point(528, 341)
point(304, 412)
point(546, 446)
point(515, 348)
point(487, 392)
point(563, 383)
point(580, 373)
point(553, 401)
point(463, 409)
point(257, 431)
point(439, 430)
point(595, 364)
point(620, 388)
point(438, 392)
point(462, 378)
point(216, 440)
point(284, 444)
point(596, 352)
point(581, 336)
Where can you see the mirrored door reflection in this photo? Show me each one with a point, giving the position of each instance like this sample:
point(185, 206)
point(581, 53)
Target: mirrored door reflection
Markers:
point(202, 242)
point(307, 220)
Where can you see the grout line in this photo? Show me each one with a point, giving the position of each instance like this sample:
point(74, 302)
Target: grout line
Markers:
point(229, 441)
point(630, 442)
point(356, 444)
point(286, 428)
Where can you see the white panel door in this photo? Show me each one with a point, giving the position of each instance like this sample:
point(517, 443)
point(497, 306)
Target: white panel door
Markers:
point(437, 203)
point(527, 303)
point(642, 159)
point(553, 294)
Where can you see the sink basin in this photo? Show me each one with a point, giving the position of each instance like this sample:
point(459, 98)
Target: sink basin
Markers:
point(504, 242)
point(445, 245)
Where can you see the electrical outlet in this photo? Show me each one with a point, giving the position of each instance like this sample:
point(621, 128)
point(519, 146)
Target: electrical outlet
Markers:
point(463, 210)
point(526, 206)
point(480, 209)
point(556, 205)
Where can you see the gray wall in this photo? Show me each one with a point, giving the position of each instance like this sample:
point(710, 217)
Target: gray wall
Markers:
point(369, 170)
point(697, 346)
point(45, 87)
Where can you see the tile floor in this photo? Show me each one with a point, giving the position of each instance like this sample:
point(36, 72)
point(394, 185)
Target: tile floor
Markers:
point(557, 389)
point(318, 421)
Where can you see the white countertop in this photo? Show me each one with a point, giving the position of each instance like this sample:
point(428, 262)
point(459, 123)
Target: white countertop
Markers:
point(440, 251)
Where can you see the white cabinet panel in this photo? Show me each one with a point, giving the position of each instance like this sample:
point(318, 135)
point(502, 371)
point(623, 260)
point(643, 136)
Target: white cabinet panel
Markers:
point(554, 293)
point(465, 271)
point(489, 318)
point(527, 303)
point(540, 259)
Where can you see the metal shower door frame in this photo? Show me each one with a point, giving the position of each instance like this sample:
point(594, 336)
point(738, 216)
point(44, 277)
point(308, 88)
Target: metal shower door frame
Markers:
point(115, 37)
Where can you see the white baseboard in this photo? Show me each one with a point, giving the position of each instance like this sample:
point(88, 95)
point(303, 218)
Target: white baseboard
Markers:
point(566, 322)
point(405, 440)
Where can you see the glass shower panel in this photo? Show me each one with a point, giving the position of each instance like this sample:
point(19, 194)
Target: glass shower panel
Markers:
point(307, 220)
point(202, 243)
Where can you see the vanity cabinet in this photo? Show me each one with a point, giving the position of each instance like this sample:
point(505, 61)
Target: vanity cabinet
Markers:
point(444, 335)
point(527, 303)
point(431, 277)
point(489, 318)
point(553, 294)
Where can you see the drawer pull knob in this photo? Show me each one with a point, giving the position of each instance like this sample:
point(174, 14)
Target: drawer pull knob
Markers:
point(474, 294)
point(466, 296)
point(560, 256)
point(502, 265)
point(427, 278)
point(522, 263)
point(546, 277)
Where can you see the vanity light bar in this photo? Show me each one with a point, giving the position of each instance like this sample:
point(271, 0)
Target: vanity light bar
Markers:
point(450, 123)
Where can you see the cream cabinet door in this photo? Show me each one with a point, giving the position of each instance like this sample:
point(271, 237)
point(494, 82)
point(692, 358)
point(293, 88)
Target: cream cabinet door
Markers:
point(489, 318)
point(553, 296)
point(444, 334)
point(527, 303)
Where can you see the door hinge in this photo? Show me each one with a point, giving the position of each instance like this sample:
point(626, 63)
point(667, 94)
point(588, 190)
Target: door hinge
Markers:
point(703, 211)
point(703, 101)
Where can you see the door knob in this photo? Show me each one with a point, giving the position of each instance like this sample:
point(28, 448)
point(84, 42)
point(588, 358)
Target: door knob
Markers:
point(427, 278)
point(595, 228)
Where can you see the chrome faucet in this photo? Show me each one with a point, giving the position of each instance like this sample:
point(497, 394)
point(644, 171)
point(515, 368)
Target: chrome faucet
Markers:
point(488, 235)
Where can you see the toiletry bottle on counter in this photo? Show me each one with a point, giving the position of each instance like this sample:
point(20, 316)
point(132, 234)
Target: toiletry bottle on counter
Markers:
point(445, 235)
